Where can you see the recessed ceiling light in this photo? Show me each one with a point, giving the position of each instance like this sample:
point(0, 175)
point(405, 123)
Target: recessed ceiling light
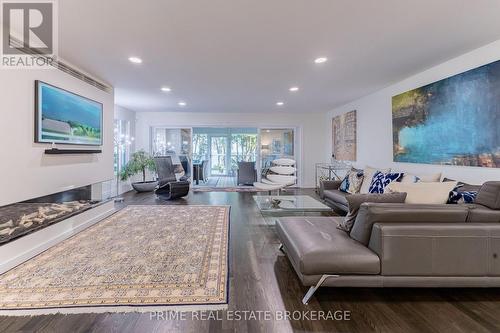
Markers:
point(280, 103)
point(320, 60)
point(135, 60)
point(294, 89)
point(166, 89)
point(181, 103)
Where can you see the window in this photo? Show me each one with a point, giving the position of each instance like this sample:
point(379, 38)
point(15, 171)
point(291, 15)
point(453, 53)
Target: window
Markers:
point(218, 155)
point(243, 148)
point(122, 141)
point(200, 147)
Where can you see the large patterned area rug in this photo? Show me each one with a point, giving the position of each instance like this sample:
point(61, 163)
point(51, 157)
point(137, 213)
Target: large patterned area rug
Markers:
point(143, 258)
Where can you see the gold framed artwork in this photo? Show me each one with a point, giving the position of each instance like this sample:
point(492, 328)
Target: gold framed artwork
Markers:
point(344, 137)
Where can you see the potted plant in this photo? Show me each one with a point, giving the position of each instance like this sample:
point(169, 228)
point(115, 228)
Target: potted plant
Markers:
point(140, 161)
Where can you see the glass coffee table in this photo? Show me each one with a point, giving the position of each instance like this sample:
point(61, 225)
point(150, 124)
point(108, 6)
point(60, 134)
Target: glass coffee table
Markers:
point(290, 205)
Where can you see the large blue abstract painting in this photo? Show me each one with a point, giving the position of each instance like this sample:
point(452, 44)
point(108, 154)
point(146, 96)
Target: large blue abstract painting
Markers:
point(455, 121)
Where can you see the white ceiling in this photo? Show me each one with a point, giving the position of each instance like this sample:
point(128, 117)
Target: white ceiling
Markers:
point(242, 56)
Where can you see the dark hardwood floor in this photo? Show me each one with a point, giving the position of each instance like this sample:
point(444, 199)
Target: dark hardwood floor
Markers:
point(261, 279)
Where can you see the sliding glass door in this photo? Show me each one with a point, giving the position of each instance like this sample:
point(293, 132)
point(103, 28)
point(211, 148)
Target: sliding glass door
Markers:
point(243, 149)
point(219, 155)
point(221, 149)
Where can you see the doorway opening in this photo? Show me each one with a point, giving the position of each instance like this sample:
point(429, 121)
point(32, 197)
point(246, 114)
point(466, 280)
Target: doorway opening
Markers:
point(219, 153)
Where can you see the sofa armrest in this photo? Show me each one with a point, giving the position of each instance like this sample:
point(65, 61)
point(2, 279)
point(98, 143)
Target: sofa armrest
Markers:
point(437, 249)
point(328, 185)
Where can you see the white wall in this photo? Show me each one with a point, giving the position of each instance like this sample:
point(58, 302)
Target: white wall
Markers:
point(312, 131)
point(375, 119)
point(26, 171)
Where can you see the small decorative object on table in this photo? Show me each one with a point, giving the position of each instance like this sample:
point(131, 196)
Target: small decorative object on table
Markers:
point(275, 203)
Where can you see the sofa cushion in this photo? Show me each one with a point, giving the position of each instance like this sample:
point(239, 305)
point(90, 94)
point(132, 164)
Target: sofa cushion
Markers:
point(315, 246)
point(371, 213)
point(411, 178)
point(336, 196)
point(424, 193)
point(489, 195)
point(368, 174)
point(356, 200)
point(482, 214)
point(464, 186)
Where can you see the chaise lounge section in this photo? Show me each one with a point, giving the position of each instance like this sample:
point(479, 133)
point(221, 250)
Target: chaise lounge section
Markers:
point(399, 245)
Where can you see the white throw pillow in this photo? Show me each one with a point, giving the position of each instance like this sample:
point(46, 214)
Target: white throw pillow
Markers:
point(368, 174)
point(423, 193)
point(410, 178)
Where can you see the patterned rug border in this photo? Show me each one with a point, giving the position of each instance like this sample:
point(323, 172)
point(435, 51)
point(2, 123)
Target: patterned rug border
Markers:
point(114, 309)
point(124, 308)
point(226, 189)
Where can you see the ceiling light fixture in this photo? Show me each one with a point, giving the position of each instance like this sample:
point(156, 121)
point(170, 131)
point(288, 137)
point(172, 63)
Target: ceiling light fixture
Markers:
point(320, 60)
point(293, 89)
point(166, 89)
point(135, 60)
point(280, 103)
point(182, 103)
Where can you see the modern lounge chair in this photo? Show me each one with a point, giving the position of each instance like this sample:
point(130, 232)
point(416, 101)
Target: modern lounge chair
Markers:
point(169, 188)
point(280, 175)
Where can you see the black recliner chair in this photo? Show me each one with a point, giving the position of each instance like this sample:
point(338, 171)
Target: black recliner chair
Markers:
point(169, 188)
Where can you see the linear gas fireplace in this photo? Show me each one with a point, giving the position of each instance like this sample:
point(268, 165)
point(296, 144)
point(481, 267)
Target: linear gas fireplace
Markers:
point(22, 218)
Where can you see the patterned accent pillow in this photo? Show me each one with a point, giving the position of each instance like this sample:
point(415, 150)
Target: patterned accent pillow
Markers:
point(460, 197)
point(352, 181)
point(381, 180)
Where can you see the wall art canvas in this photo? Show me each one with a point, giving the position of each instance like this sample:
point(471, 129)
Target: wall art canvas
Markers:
point(455, 121)
point(344, 136)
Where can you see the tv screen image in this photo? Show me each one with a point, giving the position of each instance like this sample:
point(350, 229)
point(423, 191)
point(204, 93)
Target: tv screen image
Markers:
point(65, 117)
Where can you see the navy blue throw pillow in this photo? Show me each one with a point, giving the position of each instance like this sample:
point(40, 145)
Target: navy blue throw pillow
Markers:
point(345, 184)
point(458, 197)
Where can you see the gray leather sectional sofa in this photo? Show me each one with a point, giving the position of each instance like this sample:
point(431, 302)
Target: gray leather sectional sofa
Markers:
point(399, 245)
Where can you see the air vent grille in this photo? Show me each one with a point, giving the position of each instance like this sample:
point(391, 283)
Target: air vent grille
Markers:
point(62, 66)
point(81, 76)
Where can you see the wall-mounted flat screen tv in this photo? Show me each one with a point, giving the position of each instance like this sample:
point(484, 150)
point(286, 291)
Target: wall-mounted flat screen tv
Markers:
point(65, 117)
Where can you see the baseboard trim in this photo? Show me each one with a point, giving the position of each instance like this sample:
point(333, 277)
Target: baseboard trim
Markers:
point(26, 247)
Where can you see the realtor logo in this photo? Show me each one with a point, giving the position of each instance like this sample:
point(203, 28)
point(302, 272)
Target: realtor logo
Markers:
point(28, 33)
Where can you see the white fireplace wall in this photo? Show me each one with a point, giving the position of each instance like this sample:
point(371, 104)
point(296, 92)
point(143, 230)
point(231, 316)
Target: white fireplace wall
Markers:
point(26, 171)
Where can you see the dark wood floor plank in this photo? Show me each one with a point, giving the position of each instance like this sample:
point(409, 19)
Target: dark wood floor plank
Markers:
point(262, 279)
